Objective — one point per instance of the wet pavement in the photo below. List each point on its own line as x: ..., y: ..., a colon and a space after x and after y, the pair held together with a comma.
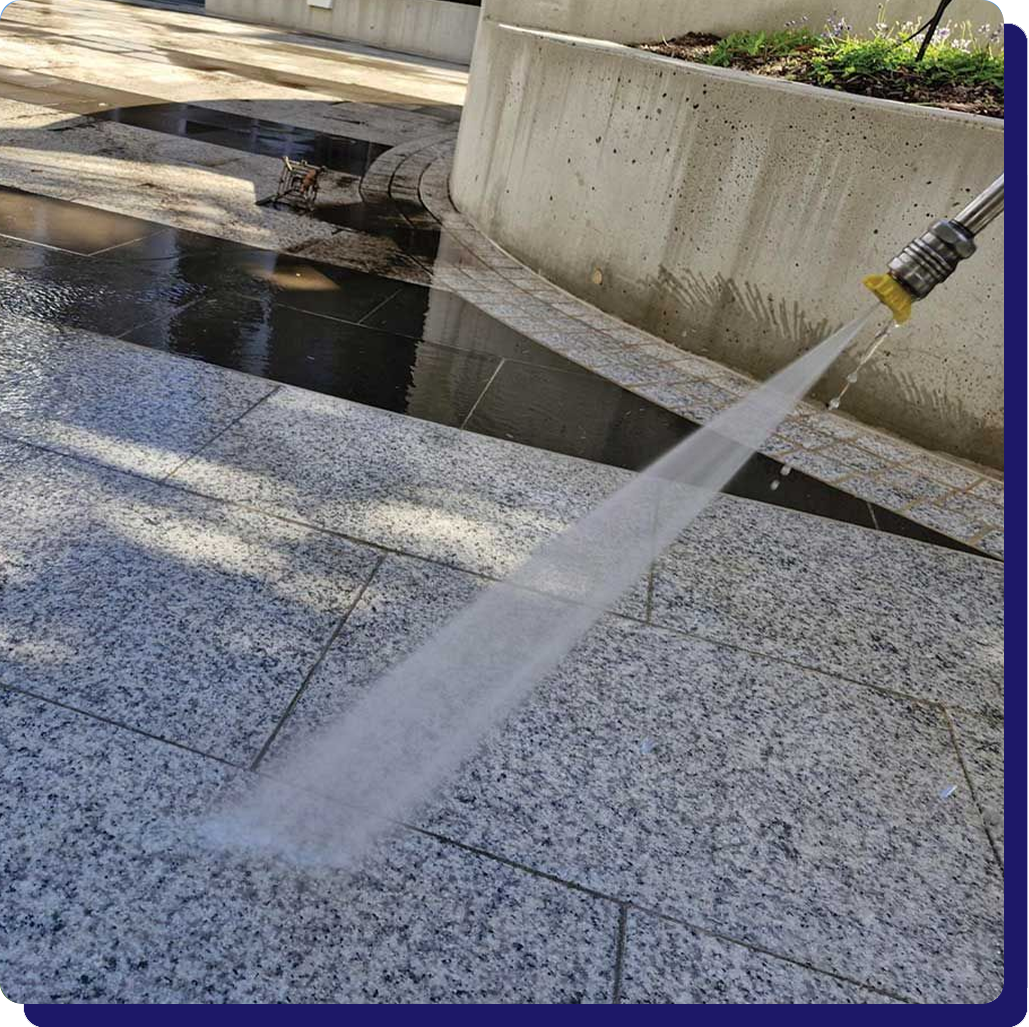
x: 774, y: 773
x: 363, y: 337
x: 251, y: 135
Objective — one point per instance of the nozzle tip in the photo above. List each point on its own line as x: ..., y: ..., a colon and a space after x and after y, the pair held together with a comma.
x: 890, y: 292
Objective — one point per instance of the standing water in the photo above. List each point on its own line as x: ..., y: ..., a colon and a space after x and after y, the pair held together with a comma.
x: 413, y: 727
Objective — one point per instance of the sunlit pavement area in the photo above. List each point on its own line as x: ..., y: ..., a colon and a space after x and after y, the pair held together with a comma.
x: 249, y: 458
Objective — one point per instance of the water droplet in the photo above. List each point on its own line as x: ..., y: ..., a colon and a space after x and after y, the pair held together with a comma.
x: 785, y: 471
x: 834, y: 404
x: 852, y: 377
x: 774, y: 485
x: 647, y: 746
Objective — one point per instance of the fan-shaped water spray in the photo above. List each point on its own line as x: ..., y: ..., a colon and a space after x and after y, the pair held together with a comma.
x: 415, y: 725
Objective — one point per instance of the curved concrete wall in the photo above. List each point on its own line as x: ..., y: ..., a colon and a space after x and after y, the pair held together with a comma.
x: 429, y: 28
x: 736, y: 215
x: 636, y: 21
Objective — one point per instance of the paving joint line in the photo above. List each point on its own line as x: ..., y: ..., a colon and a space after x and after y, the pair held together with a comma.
x: 623, y: 904
x: 217, y: 435
x: 761, y: 950
x: 980, y: 807
x: 620, y: 944
x: 103, y: 719
x: 153, y: 320
x: 309, y: 676
x: 475, y: 406
x: 408, y: 555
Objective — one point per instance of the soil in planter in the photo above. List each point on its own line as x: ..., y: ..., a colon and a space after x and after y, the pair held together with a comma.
x: 908, y: 83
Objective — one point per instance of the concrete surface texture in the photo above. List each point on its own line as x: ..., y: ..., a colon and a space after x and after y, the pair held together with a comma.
x: 188, y: 581
x: 430, y: 28
x: 735, y: 215
x: 629, y: 21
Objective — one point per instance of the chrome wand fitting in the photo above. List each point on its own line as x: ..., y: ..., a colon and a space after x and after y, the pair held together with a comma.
x: 933, y: 257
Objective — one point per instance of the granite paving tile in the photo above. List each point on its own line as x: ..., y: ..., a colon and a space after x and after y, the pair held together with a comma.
x: 785, y: 808
x: 982, y: 746
x: 112, y: 402
x: 955, y: 475
x: 961, y: 514
x: 820, y: 464
x: 993, y: 543
x: 800, y: 433
x: 896, y: 488
x: 116, y: 889
x: 173, y: 614
x: 855, y: 457
x: 892, y: 450
x: 990, y: 490
x: 904, y: 616
x: 456, y: 497
x: 667, y: 962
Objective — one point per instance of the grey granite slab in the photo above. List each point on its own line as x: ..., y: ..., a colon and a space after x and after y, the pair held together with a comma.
x: 872, y: 607
x: 990, y: 490
x: 894, y: 451
x: 12, y: 452
x: 114, y: 889
x: 784, y: 808
x: 176, y: 615
x: 963, y: 515
x: 477, y: 503
x: 820, y: 465
x: 896, y: 488
x: 947, y: 471
x: 854, y: 456
x: 118, y: 404
x: 982, y: 746
x: 993, y: 543
x: 667, y: 962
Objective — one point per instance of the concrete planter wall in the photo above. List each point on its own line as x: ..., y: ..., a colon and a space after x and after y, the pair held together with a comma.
x: 431, y: 28
x: 735, y: 215
x: 633, y: 21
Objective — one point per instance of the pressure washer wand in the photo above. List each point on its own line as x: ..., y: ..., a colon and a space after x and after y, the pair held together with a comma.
x: 933, y: 257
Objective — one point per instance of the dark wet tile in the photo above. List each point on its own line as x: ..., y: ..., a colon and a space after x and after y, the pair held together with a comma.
x: 251, y: 135
x: 440, y: 316
x: 67, y: 226
x: 385, y: 221
x: 92, y: 293
x: 797, y: 491
x: 214, y: 265
x: 418, y: 350
x: 595, y: 419
x: 14, y: 253
x: 74, y: 295
x: 896, y: 524
x: 575, y: 414
x: 264, y: 338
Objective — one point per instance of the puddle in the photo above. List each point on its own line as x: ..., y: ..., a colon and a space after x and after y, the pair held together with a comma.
x: 251, y: 135
x: 66, y: 226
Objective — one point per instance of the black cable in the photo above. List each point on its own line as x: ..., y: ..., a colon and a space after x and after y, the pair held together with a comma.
x: 934, y: 24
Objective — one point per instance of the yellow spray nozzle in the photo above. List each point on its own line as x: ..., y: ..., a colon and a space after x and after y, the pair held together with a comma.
x: 889, y: 291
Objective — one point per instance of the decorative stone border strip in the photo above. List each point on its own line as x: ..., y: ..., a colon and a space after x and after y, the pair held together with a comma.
x: 959, y: 501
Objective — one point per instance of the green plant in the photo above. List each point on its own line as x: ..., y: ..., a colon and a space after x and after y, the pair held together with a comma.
x: 958, y: 55
x: 763, y: 45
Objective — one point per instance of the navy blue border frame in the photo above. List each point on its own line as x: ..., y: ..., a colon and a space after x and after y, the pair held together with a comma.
x: 1011, y: 1006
